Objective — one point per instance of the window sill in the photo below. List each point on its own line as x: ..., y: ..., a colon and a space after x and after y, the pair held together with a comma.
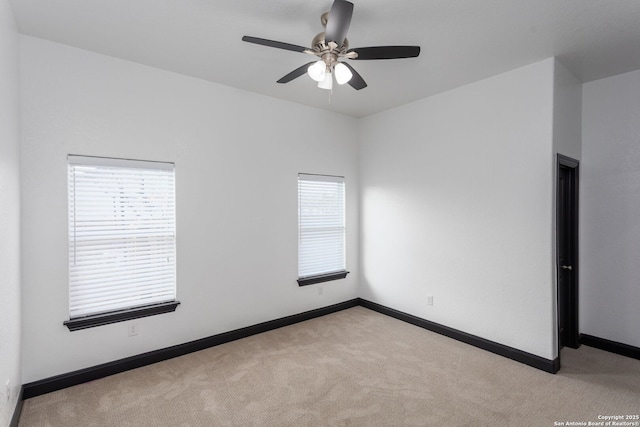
x: 304, y: 281
x: 120, y: 316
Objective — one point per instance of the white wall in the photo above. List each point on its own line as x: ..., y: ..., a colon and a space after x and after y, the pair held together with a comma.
x: 567, y: 113
x: 567, y: 140
x: 456, y: 202
x: 237, y: 157
x: 9, y: 215
x: 610, y: 209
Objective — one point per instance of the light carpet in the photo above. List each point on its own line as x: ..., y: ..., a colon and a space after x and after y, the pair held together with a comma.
x: 352, y: 368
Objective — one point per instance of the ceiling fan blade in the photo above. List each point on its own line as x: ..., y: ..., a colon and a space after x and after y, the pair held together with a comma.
x: 386, y: 52
x: 338, y: 21
x: 356, y: 82
x: 296, y: 73
x: 273, y: 43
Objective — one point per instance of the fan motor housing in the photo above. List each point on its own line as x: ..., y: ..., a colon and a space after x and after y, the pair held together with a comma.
x: 319, y: 44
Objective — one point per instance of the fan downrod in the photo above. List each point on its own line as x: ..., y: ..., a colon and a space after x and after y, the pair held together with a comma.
x: 329, y: 52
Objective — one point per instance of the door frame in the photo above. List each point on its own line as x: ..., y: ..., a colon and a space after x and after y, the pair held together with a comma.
x: 572, y: 303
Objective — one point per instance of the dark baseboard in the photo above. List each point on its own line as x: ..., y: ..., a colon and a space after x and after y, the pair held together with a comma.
x: 70, y: 379
x: 59, y: 382
x: 18, y: 410
x: 611, y: 346
x: 532, y: 360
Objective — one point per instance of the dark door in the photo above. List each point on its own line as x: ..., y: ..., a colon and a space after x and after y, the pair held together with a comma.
x: 567, y: 252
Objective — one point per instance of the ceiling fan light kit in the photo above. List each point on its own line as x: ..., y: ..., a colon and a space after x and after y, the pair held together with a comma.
x: 317, y: 71
x: 343, y: 73
x: 327, y: 82
x: 331, y: 46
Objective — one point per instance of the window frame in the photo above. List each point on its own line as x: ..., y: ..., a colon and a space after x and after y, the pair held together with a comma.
x: 136, y: 310
x: 323, y: 276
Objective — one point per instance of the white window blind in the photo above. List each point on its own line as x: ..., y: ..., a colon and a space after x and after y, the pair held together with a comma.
x: 121, y: 234
x: 321, y: 225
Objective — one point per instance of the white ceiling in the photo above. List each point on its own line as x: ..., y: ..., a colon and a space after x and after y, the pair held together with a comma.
x: 462, y: 41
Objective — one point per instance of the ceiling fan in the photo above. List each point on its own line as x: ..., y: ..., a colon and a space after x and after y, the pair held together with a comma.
x: 331, y: 46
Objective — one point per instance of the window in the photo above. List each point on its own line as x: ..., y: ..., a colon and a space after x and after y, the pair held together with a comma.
x: 321, y: 229
x: 122, y: 256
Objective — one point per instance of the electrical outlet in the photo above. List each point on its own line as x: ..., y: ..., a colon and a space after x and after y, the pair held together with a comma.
x: 429, y: 299
x: 133, y: 330
x: 320, y: 290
